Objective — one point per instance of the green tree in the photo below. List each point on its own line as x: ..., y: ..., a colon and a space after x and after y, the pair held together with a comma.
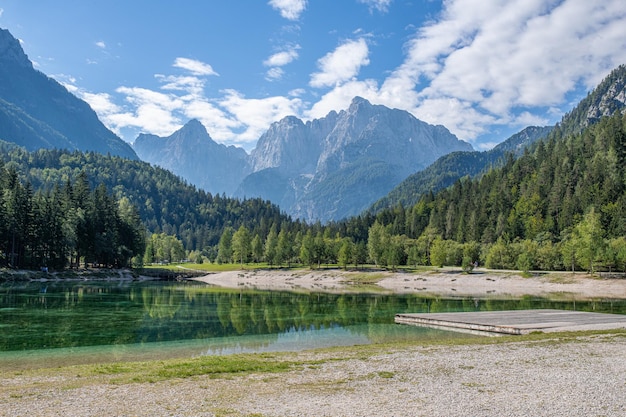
x: 438, y: 253
x: 242, y: 245
x: 307, y: 249
x: 359, y: 255
x: 500, y: 256
x: 377, y: 237
x: 225, y: 247
x: 271, y: 246
x: 588, y: 237
x: 345, y: 252
x: 257, y: 248
x: 394, y: 251
x: 284, y: 250
x: 618, y: 248
x: 319, y: 249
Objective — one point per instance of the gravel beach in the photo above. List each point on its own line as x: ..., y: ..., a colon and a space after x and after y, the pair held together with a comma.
x: 581, y: 377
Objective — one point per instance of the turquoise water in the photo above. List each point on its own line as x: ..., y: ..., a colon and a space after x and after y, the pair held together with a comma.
x: 110, y: 320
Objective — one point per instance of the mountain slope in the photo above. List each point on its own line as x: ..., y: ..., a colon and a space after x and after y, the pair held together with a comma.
x: 449, y: 168
x: 38, y: 112
x: 608, y: 98
x: 191, y: 153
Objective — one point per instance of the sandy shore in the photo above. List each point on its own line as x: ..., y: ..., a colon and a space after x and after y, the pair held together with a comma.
x: 481, y: 283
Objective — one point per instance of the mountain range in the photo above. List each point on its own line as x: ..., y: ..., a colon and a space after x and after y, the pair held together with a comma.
x: 38, y: 112
x: 191, y: 153
x: 322, y: 170
x: 327, y: 169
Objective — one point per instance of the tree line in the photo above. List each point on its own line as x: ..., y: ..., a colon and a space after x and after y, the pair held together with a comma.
x: 62, y: 225
x: 165, y: 203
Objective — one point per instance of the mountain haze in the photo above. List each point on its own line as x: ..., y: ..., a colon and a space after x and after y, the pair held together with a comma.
x: 38, y: 112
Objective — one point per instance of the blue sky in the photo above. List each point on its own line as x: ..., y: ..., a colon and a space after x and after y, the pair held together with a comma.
x: 483, y: 68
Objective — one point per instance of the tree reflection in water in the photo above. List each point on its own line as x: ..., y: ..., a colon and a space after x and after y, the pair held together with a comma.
x: 72, y: 314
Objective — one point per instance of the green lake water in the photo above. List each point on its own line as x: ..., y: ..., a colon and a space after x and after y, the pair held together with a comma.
x: 96, y: 321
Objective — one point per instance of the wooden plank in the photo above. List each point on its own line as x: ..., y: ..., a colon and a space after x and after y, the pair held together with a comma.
x: 517, y: 322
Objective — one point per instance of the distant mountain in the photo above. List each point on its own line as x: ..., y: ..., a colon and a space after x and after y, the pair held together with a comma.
x: 449, y: 168
x: 608, y: 98
x: 192, y: 154
x: 336, y: 166
x: 38, y: 112
x: 324, y: 169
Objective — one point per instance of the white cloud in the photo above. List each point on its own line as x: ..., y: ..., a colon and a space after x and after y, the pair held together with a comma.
x: 485, y: 146
x: 339, y: 98
x: 278, y: 60
x: 101, y: 44
x: 192, y: 85
x: 490, y: 59
x: 275, y: 73
x: 479, y: 64
x: 289, y: 9
x: 379, y: 5
x: 342, y: 64
x: 101, y: 103
x: 282, y: 58
x: 194, y: 66
x: 256, y: 115
x: 151, y: 111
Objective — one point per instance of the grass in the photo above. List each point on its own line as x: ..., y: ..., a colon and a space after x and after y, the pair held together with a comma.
x: 213, y: 366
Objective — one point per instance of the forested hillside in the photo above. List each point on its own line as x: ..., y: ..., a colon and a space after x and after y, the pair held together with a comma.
x: 446, y: 170
x: 164, y: 202
x: 560, y: 205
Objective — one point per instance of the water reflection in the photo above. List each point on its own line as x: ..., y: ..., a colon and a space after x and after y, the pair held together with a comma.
x: 76, y: 314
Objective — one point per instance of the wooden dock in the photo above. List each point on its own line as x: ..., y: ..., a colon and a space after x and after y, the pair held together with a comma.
x: 516, y: 322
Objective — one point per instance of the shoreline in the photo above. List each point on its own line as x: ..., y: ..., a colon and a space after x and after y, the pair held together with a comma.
x: 481, y: 283
x: 545, y: 375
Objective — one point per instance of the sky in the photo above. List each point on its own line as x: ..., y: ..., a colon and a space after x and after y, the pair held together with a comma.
x: 485, y: 69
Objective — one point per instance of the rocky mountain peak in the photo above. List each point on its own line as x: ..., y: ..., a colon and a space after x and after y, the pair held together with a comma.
x: 608, y: 98
x: 613, y: 97
x: 193, y: 130
x: 11, y: 51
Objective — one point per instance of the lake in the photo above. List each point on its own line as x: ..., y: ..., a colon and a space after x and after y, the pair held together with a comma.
x: 67, y: 322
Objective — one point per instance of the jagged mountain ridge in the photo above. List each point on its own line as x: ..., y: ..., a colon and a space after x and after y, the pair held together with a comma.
x: 191, y: 153
x: 38, y: 112
x: 324, y: 169
x: 344, y: 161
